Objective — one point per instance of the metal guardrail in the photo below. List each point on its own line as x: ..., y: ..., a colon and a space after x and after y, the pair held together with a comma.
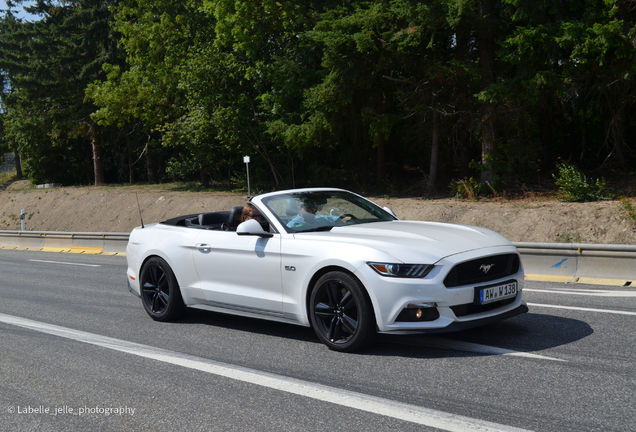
x: 579, y: 262
x: 556, y: 262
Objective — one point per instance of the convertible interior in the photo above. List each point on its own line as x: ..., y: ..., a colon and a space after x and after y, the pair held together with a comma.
x: 219, y: 221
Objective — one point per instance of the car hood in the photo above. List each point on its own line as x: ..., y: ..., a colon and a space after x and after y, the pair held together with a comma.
x: 416, y: 242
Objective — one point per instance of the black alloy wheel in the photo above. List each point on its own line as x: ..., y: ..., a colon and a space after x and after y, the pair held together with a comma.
x: 160, y: 292
x: 341, y: 312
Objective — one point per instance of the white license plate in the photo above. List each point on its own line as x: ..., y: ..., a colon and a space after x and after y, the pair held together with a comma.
x: 496, y: 293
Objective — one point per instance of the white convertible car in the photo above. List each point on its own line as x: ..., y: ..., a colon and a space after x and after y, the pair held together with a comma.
x: 329, y: 259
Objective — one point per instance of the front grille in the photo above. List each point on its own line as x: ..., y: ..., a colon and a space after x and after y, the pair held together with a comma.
x: 472, y: 308
x: 483, y: 269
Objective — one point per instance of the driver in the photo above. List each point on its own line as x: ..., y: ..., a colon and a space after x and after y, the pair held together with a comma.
x: 307, y: 217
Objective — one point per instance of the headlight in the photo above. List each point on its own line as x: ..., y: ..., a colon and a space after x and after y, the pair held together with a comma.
x: 402, y: 270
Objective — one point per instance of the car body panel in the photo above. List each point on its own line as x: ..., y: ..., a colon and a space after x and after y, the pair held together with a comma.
x: 272, y: 276
x: 240, y: 270
x: 173, y: 244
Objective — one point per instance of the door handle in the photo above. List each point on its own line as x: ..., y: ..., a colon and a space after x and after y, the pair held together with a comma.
x: 204, y: 247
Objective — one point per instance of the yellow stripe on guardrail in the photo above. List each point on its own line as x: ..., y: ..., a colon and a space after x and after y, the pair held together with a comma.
x: 600, y: 281
x: 548, y: 278
x: 74, y: 249
x: 52, y: 249
x: 577, y: 280
x: 87, y: 250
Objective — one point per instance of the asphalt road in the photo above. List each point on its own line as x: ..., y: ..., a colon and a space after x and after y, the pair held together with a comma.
x: 78, y: 352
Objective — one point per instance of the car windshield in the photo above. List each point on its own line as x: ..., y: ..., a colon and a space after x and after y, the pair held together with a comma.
x: 323, y: 210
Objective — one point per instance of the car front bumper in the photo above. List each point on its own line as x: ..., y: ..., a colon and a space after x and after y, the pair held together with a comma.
x: 458, y: 306
x: 464, y: 325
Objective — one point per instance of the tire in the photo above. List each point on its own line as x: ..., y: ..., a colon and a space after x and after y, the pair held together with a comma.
x: 160, y: 294
x: 341, y: 312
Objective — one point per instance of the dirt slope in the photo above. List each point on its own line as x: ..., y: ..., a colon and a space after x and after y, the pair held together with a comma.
x: 114, y: 209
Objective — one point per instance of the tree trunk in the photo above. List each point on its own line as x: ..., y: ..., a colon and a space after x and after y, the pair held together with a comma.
x: 131, y: 169
x: 463, y: 125
x: 619, y: 125
x: 151, y: 165
x: 380, y: 168
x: 486, y: 8
x: 488, y: 142
x: 203, y: 176
x: 584, y: 137
x: 432, y: 175
x: 18, y: 164
x: 98, y: 162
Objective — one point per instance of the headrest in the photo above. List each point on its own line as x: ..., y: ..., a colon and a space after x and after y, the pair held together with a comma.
x: 292, y: 207
x: 235, y: 216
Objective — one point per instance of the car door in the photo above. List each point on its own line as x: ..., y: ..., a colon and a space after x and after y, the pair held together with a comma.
x: 240, y: 271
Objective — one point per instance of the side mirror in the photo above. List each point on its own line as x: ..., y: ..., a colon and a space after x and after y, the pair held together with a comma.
x: 389, y: 211
x: 253, y: 228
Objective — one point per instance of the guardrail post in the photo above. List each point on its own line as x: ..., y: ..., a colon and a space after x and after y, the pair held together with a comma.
x: 22, y: 228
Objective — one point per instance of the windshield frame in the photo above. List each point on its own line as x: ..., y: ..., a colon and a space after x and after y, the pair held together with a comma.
x: 328, y: 204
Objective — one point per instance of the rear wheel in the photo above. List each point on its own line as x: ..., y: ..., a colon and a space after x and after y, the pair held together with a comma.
x: 341, y: 312
x: 160, y: 292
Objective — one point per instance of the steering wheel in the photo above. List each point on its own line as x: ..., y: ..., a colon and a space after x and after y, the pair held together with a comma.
x: 347, y: 215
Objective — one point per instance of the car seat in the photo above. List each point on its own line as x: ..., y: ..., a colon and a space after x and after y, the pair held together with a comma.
x: 234, y: 219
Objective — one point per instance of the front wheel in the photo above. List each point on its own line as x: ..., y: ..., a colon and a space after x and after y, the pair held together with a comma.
x: 341, y: 312
x: 160, y: 292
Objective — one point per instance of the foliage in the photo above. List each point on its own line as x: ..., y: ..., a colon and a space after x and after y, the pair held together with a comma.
x: 468, y: 188
x: 365, y: 94
x: 628, y: 209
x: 47, y: 64
x: 7, y: 176
x: 575, y: 187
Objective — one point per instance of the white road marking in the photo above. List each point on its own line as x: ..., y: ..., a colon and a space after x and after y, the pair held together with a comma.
x: 586, y: 292
x: 66, y: 263
x: 411, y: 413
x: 484, y: 349
x: 583, y: 309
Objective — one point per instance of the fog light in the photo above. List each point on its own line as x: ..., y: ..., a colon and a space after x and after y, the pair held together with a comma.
x: 419, y: 312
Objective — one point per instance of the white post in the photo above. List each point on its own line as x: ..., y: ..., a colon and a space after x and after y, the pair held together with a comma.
x: 22, y: 220
x: 246, y: 159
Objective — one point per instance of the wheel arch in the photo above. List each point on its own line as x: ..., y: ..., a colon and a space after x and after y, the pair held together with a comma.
x: 170, y: 265
x: 318, y: 274
x: 168, y: 261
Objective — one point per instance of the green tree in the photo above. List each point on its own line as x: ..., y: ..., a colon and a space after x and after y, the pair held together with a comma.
x: 48, y: 63
x: 571, y: 80
x: 270, y: 62
x: 392, y: 83
x: 208, y: 79
x: 143, y: 96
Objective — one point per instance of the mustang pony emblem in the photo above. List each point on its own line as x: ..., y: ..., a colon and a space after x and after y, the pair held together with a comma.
x: 486, y: 267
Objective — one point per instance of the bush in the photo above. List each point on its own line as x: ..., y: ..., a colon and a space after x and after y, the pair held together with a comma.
x: 7, y: 176
x: 628, y: 208
x: 574, y: 186
x: 466, y: 188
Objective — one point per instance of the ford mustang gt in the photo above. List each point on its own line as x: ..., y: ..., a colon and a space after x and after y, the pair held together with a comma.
x: 329, y: 259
